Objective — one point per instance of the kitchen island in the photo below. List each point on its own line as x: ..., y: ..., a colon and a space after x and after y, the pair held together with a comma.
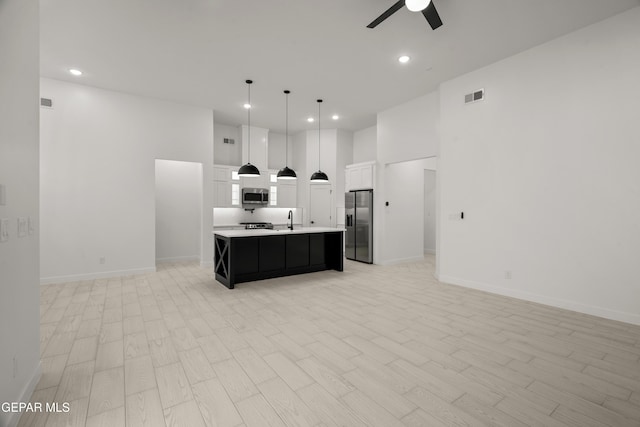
x: 247, y: 255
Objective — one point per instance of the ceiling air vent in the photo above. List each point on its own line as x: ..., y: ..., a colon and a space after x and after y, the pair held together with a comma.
x: 474, y: 96
x: 46, y: 102
x: 229, y: 141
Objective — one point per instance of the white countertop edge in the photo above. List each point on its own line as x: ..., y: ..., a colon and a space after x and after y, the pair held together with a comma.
x: 253, y: 233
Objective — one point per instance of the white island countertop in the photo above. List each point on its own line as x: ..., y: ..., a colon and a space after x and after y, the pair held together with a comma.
x: 263, y: 232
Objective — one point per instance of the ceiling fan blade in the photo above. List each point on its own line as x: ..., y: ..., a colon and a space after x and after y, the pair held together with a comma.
x: 393, y: 9
x: 431, y: 14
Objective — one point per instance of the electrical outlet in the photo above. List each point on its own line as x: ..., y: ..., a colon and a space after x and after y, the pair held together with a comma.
x: 4, y: 229
x: 102, y: 260
x: 507, y: 274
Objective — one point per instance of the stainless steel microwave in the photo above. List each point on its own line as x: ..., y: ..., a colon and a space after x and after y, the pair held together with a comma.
x: 255, y: 196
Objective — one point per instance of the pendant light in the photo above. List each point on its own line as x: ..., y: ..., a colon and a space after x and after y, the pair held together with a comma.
x: 248, y: 170
x: 286, y: 172
x: 319, y: 176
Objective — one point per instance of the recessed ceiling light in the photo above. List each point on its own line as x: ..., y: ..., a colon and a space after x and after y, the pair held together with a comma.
x: 404, y: 59
x: 247, y: 106
x: 335, y: 117
x: 311, y: 120
x: 75, y: 72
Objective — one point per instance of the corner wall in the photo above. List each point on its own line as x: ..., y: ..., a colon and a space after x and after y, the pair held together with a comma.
x: 546, y: 172
x: 98, y: 152
x: 406, y: 134
x: 19, y: 256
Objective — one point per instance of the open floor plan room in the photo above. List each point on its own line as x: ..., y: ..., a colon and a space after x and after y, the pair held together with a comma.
x: 372, y: 346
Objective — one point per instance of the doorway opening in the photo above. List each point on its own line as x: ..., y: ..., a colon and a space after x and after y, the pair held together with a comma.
x: 178, y: 211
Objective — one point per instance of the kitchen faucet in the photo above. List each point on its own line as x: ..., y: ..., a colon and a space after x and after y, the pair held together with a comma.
x: 290, y: 217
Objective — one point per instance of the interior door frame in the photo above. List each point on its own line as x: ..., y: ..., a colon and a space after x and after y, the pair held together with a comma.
x: 332, y: 218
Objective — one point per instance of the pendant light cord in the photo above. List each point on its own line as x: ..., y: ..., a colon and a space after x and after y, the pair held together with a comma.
x: 286, y: 126
x: 249, y: 122
x: 319, y: 101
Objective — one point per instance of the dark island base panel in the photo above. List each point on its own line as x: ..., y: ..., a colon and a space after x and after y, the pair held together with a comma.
x: 245, y: 259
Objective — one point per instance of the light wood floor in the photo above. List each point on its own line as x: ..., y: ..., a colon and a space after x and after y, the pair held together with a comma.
x: 372, y: 346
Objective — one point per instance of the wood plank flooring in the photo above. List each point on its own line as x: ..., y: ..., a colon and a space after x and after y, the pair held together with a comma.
x: 372, y: 346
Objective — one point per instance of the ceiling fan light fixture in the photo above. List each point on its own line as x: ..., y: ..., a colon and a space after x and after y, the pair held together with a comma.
x: 417, y: 5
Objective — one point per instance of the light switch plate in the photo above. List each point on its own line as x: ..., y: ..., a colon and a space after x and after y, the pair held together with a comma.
x: 22, y: 226
x: 31, y: 226
x: 4, y: 229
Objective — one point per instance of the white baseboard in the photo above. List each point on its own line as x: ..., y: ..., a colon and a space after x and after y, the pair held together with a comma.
x: 429, y: 251
x: 13, y: 418
x: 606, y: 313
x: 179, y: 258
x: 93, y: 276
x: 401, y: 260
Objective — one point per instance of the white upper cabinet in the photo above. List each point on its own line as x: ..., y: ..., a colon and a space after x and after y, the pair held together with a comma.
x: 360, y: 176
x: 226, y: 186
x: 282, y: 193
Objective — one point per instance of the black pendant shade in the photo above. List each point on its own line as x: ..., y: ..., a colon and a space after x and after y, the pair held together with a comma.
x: 248, y: 170
x: 319, y: 176
x: 286, y: 172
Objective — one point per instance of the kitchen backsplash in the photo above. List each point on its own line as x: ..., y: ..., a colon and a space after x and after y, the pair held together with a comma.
x: 234, y: 216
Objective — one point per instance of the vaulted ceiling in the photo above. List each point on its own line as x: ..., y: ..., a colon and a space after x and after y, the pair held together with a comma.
x: 200, y: 52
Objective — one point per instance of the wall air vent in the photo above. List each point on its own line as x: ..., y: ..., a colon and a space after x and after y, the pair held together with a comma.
x: 229, y: 141
x: 478, y: 95
x: 46, y: 102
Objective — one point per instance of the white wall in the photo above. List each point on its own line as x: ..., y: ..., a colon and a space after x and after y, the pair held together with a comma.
x: 406, y: 133
x: 546, y: 172
x: 227, y: 154
x: 277, y: 150
x: 409, y: 131
x: 429, y: 211
x: 255, y: 151
x: 364, y: 145
x: 344, y: 157
x: 300, y: 166
x: 98, y: 151
x: 178, y: 210
x: 19, y: 264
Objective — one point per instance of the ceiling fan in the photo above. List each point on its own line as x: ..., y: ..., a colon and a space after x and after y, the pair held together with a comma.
x: 425, y: 6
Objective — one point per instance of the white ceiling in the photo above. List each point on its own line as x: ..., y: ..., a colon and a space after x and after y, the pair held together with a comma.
x: 200, y: 52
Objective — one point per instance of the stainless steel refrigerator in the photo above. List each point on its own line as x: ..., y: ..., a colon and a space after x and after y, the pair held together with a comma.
x: 358, y: 205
